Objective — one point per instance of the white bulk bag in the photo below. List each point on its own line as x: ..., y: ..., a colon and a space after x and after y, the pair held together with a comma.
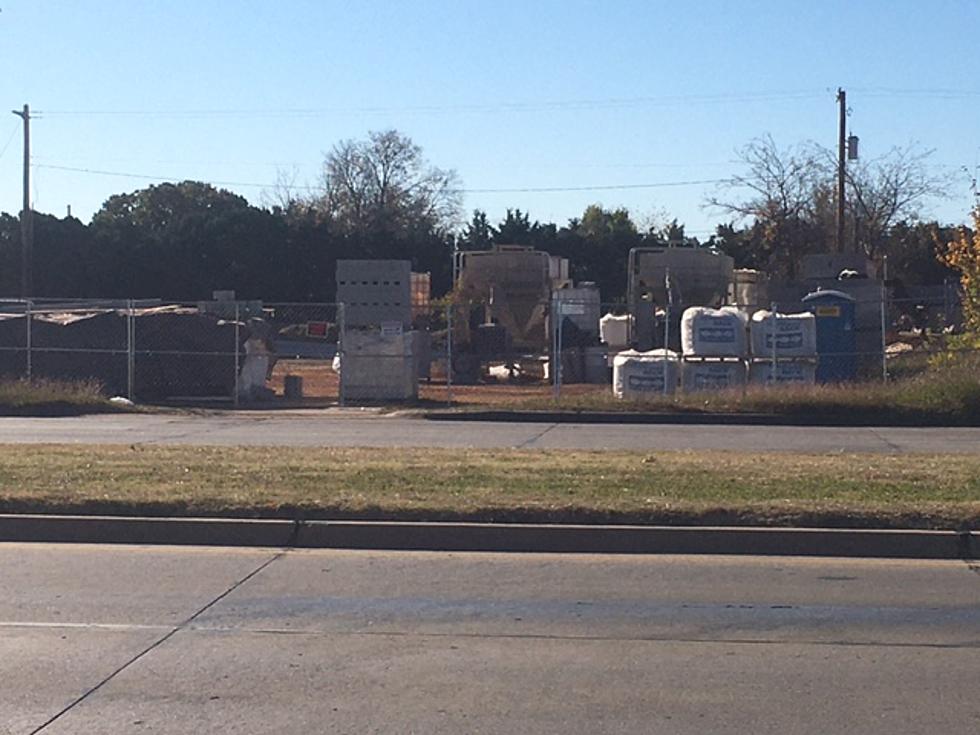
x: 793, y: 372
x: 713, y: 332
x: 712, y: 375
x: 638, y: 375
x: 614, y: 329
x: 796, y: 334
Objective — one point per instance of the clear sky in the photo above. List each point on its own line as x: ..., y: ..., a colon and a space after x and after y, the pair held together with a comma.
x: 567, y: 94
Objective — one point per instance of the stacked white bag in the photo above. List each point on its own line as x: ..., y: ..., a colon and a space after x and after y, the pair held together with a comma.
x: 712, y: 375
x: 714, y: 345
x: 796, y: 334
x: 639, y: 375
x: 614, y: 329
x: 713, y: 332
x: 795, y: 348
x: 802, y: 372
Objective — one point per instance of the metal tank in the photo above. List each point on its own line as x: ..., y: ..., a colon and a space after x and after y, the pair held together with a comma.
x: 698, y: 277
x: 513, y: 284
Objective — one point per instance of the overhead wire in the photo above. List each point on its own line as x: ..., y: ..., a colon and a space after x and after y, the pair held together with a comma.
x: 933, y: 93
x: 535, y: 106
x: 514, y: 190
x: 10, y: 138
x: 518, y: 106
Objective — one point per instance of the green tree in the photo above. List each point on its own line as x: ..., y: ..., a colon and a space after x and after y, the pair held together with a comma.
x: 914, y: 252
x: 515, y: 228
x: 9, y: 256
x: 478, y: 234
x: 184, y: 241
x: 605, y: 237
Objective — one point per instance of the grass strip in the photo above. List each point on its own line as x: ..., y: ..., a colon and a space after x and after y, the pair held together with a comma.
x: 847, y: 490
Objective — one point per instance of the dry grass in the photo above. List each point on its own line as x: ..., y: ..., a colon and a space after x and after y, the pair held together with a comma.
x: 950, y: 396
x: 703, y: 487
x: 45, y: 395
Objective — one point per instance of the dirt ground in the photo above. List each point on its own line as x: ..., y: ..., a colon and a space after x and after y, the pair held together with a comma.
x: 320, y: 383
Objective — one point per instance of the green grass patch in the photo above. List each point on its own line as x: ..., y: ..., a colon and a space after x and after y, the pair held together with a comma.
x: 503, y: 485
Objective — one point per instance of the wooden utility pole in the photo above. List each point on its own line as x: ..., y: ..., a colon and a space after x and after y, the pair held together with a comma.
x: 26, y: 214
x: 841, y: 151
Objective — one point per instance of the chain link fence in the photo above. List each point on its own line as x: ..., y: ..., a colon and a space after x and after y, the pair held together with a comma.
x: 246, y: 353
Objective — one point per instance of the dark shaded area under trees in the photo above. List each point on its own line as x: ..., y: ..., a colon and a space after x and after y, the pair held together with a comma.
x: 381, y: 199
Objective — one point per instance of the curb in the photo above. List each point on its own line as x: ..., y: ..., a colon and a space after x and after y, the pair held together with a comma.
x: 407, y: 536
x: 687, y: 419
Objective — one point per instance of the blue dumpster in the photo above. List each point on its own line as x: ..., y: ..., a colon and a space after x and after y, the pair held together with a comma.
x: 836, y: 335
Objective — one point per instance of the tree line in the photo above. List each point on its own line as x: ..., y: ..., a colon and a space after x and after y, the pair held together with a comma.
x: 380, y: 198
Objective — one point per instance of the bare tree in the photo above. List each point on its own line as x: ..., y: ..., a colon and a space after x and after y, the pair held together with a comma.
x: 887, y: 190
x: 779, y: 193
x: 778, y: 182
x: 383, y: 184
x: 789, y: 197
x: 284, y: 194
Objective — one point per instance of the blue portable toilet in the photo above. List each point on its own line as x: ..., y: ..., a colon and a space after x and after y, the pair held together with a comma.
x: 836, y: 335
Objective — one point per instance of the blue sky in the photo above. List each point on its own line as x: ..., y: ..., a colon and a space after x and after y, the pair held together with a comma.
x: 513, y: 95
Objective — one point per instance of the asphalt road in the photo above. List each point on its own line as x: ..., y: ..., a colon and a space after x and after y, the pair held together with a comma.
x: 353, y: 428
x: 162, y: 640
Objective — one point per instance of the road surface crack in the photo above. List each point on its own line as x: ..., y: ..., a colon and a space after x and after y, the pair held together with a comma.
x: 156, y: 644
x: 887, y: 442
x: 535, y: 438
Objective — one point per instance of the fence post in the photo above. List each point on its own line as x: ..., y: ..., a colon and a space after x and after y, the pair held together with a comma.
x: 668, y: 301
x: 554, y: 325
x: 341, y: 329
x: 884, y: 339
x: 947, y: 317
x: 130, y: 350
x: 237, y: 337
x: 775, y: 359
x: 666, y: 343
x: 449, y: 352
x: 29, y: 318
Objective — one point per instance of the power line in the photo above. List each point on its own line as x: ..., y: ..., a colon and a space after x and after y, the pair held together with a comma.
x: 515, y: 190
x: 169, y: 161
x: 536, y: 106
x: 6, y: 145
x: 298, y: 164
x: 154, y: 177
x: 517, y: 106
x: 934, y: 93
x: 600, y: 187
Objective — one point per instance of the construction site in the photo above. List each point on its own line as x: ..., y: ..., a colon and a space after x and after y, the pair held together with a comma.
x: 514, y: 326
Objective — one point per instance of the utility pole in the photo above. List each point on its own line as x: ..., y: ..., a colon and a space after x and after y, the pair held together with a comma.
x: 26, y: 215
x: 841, y: 148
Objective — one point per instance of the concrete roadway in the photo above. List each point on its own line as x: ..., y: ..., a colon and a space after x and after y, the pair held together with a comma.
x: 354, y: 428
x: 163, y: 640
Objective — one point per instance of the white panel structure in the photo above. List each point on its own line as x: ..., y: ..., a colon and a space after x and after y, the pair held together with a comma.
x: 379, y: 367
x: 375, y: 291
